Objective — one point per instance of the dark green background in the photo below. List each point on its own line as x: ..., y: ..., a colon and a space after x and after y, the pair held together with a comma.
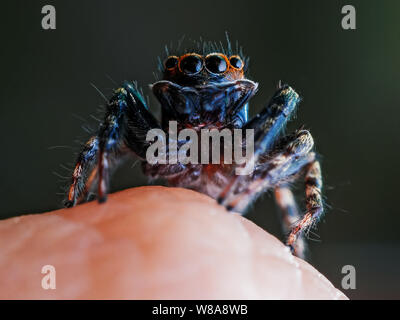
x: 349, y: 80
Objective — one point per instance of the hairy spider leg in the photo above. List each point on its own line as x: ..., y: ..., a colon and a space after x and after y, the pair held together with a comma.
x: 84, y: 164
x: 91, y: 180
x: 281, y: 169
x: 290, y: 216
x: 124, y: 128
x: 276, y: 168
x: 267, y: 125
x: 314, y: 203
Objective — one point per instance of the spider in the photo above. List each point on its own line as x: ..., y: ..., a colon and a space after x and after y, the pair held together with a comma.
x: 208, y: 90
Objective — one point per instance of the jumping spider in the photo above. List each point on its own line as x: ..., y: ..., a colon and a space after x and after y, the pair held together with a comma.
x: 208, y: 90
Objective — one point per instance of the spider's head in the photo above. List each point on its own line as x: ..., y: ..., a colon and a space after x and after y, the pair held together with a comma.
x: 206, y: 89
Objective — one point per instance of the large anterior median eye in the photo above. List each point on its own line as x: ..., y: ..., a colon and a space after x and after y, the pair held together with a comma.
x: 216, y: 63
x: 171, y: 62
x: 191, y: 64
x: 236, y: 62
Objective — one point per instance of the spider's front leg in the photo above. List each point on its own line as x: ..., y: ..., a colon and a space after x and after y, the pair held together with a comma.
x: 275, y: 170
x: 292, y: 155
x: 314, y: 203
x: 266, y: 125
x: 290, y: 216
x: 292, y: 221
x: 126, y: 123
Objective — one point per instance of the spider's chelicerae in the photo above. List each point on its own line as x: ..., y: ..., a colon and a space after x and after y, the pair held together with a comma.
x: 208, y: 89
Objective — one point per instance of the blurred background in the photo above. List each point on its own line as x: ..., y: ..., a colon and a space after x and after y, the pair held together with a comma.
x: 349, y: 81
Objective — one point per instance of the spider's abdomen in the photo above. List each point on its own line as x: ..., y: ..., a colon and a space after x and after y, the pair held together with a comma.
x: 204, y: 164
x: 209, y: 179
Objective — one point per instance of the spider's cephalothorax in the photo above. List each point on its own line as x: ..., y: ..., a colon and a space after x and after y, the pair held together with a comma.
x: 200, y: 91
x: 203, y: 91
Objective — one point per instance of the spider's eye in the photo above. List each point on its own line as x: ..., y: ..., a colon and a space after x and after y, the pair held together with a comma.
x: 236, y: 62
x: 171, y: 63
x: 216, y: 63
x: 191, y: 64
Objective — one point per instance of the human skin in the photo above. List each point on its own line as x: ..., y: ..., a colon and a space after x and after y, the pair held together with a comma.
x: 151, y: 243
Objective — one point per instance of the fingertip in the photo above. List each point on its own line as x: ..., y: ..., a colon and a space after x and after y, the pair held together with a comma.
x: 155, y: 243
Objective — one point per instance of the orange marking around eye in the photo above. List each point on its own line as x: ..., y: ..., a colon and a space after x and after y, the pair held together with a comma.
x: 223, y: 57
x: 236, y: 56
x: 169, y: 57
x: 235, y: 73
x: 186, y: 55
x: 231, y: 72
